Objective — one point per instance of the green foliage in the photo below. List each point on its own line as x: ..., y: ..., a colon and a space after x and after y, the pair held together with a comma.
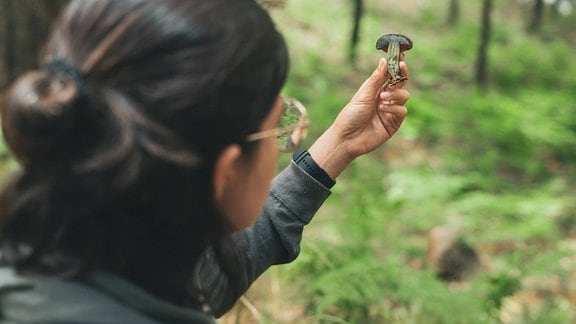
x: 499, y: 164
x: 7, y: 163
x: 522, y: 60
x: 357, y: 289
x: 351, y: 289
x: 501, y: 285
x: 523, y: 136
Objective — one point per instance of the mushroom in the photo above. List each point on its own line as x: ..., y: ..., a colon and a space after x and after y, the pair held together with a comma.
x: 394, y: 44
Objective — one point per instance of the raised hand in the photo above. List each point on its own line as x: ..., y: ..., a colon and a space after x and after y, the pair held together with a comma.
x: 372, y: 116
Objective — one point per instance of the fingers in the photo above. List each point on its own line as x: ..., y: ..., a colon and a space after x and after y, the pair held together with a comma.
x: 394, y: 97
x: 404, y: 72
x: 381, y: 71
x: 394, y: 109
x: 372, y: 85
x: 404, y: 69
x: 378, y: 77
x: 392, y: 105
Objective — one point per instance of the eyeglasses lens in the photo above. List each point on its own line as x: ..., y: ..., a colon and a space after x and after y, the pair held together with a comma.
x: 294, y: 123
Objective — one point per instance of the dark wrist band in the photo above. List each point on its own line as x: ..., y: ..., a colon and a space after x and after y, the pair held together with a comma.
x: 303, y: 159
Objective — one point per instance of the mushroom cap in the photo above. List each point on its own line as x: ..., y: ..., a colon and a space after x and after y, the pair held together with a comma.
x: 385, y: 40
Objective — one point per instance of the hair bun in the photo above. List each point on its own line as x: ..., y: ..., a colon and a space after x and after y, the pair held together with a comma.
x: 37, y: 114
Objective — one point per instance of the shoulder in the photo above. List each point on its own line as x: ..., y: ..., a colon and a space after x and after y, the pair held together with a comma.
x: 47, y: 300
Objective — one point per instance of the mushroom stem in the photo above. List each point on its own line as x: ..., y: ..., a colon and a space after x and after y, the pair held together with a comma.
x: 394, y: 59
x: 394, y: 44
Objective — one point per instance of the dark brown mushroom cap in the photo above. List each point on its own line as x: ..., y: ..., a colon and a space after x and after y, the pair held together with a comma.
x: 385, y: 40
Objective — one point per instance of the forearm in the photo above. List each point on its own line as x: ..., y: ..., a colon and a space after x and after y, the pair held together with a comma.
x: 274, y: 239
x: 294, y: 200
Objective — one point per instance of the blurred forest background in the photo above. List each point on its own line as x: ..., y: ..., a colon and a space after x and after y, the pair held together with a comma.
x: 468, y: 215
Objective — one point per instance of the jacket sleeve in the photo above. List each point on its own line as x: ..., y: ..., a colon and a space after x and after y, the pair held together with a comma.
x: 294, y: 199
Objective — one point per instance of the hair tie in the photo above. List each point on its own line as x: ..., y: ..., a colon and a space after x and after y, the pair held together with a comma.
x: 64, y: 68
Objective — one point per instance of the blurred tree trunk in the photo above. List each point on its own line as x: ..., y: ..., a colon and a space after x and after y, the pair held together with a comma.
x: 537, y: 14
x: 453, y: 12
x: 482, y: 59
x: 555, y: 13
x: 24, y: 26
x: 355, y: 35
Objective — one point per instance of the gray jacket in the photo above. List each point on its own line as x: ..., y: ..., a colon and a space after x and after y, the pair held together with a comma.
x: 104, y: 298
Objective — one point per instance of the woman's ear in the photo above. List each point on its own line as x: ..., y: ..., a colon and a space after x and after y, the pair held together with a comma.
x: 225, y: 170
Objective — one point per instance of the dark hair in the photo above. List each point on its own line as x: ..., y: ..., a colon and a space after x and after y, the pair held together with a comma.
x: 118, y: 134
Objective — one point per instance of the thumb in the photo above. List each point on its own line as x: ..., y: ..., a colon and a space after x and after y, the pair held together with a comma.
x: 374, y: 83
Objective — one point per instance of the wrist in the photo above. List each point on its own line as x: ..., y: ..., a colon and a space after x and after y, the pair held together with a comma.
x: 330, y: 154
x: 304, y: 160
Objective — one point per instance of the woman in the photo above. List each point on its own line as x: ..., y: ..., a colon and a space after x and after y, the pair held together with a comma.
x: 148, y: 144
